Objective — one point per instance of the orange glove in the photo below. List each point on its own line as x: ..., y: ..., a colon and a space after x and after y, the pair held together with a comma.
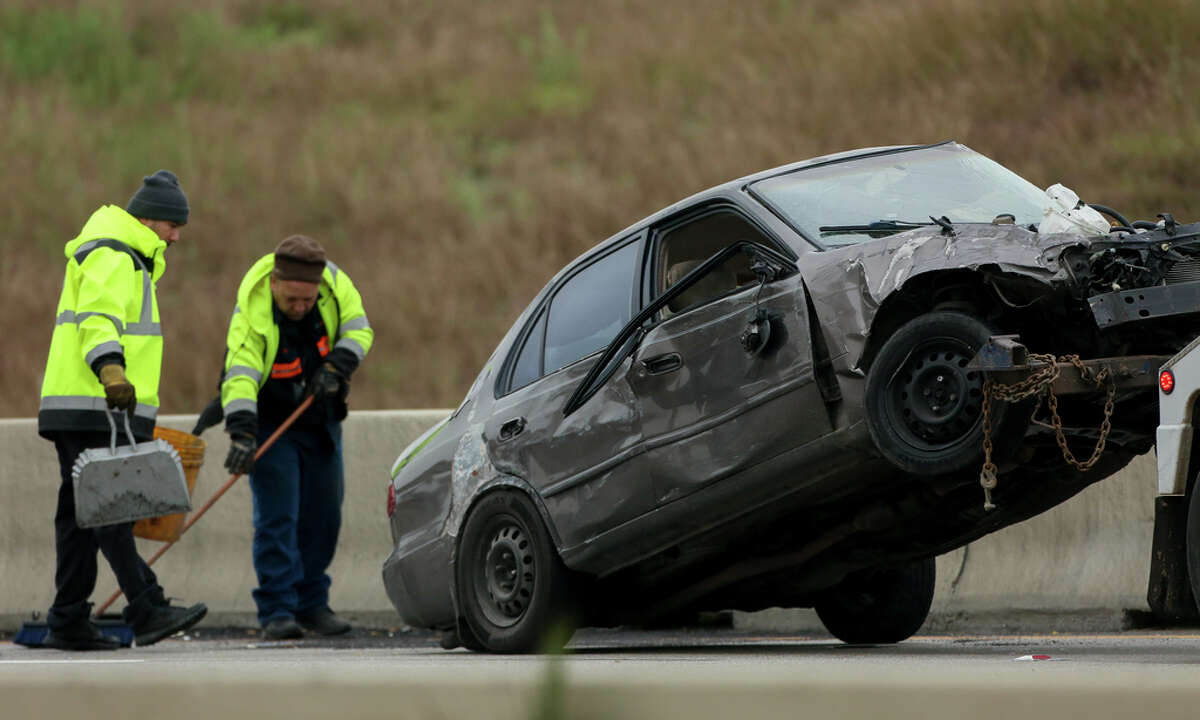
x: 118, y: 391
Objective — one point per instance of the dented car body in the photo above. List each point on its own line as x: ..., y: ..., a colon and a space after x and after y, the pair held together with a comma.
x: 769, y: 394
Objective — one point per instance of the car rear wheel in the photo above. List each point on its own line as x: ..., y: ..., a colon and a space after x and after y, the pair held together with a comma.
x: 925, y: 406
x: 512, y: 586
x: 879, y: 606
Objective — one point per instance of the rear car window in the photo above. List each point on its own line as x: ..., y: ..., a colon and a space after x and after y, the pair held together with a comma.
x: 528, y: 366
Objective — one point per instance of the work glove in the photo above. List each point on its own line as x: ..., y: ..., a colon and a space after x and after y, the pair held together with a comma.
x: 118, y: 391
x: 328, y: 383
x: 209, y: 416
x: 240, y: 459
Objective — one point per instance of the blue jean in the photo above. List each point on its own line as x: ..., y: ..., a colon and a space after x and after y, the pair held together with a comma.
x: 298, y: 487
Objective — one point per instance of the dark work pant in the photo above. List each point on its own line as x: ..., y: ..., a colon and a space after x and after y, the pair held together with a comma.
x: 75, y: 549
x: 298, y: 488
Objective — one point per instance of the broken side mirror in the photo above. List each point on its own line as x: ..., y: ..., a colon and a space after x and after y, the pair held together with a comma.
x: 764, y: 268
x: 757, y: 334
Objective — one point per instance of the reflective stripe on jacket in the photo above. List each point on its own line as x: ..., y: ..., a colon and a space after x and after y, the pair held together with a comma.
x: 108, y: 305
x: 253, y: 337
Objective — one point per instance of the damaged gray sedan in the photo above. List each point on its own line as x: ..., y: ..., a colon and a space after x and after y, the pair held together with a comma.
x: 781, y: 392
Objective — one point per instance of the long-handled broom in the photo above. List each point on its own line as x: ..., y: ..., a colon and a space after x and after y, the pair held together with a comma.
x: 33, y: 633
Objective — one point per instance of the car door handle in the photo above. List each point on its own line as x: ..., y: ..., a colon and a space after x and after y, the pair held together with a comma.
x: 660, y: 364
x: 511, y: 429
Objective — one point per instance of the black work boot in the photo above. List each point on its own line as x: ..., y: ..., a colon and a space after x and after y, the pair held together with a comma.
x: 164, y: 620
x: 81, y: 635
x: 323, y: 621
x: 284, y: 628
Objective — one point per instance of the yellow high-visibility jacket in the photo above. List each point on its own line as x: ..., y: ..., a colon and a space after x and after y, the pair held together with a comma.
x: 108, y: 305
x: 253, y: 337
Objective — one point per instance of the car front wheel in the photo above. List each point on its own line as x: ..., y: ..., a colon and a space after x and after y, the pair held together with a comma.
x: 879, y: 606
x: 513, y: 588
x: 924, y: 406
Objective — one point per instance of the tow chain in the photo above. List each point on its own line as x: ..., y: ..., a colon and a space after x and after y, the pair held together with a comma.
x: 1040, y: 383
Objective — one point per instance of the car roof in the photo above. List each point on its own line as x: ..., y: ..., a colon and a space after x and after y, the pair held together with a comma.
x: 724, y: 190
x: 824, y: 159
x: 731, y: 187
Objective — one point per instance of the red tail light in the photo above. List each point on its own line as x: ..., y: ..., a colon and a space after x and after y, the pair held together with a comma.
x: 391, y: 499
x: 1166, y: 381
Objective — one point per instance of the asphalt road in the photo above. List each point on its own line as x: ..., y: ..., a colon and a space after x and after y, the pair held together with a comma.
x: 696, y: 674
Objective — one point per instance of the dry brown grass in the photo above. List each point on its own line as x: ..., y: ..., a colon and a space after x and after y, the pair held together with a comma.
x: 453, y: 155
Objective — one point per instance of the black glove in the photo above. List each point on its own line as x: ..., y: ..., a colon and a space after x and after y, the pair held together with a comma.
x: 240, y: 459
x: 328, y: 383
x: 209, y: 416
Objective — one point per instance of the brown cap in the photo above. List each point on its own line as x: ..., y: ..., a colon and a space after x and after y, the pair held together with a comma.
x: 301, y: 258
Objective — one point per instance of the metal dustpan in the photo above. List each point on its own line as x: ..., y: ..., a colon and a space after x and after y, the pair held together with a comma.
x: 122, y: 484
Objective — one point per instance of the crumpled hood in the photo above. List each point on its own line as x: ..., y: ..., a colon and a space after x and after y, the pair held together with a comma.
x: 849, y: 284
x: 888, y: 263
x: 113, y: 222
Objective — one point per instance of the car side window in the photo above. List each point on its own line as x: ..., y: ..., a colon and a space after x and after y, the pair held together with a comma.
x: 590, y: 308
x: 528, y: 366
x: 682, y: 247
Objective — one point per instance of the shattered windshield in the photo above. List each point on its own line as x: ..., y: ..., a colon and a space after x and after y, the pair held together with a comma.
x: 849, y: 202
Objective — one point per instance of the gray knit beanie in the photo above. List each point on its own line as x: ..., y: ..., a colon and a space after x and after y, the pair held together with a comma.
x: 159, y: 198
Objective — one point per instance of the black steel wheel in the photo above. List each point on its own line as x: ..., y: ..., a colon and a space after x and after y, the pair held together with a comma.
x: 513, y: 589
x: 924, y: 405
x: 879, y: 606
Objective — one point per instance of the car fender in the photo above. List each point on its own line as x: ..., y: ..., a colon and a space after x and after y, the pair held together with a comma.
x: 849, y: 285
x: 474, y: 476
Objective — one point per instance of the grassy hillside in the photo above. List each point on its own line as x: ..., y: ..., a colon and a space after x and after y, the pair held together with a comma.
x: 452, y: 155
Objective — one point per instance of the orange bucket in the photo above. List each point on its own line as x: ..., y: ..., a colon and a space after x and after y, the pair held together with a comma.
x: 168, y: 528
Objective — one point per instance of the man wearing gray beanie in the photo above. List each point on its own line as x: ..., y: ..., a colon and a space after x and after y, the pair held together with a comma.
x: 106, y: 355
x: 160, y: 198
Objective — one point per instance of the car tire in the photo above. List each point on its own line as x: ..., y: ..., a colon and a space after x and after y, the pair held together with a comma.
x: 878, y: 607
x: 466, y: 637
x: 924, y: 407
x: 1192, y: 543
x: 513, y: 587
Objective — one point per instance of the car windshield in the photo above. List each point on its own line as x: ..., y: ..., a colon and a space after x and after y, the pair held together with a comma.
x: 849, y: 202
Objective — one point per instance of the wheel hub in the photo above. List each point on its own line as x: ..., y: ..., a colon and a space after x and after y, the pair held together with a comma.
x: 935, y: 399
x: 508, y: 575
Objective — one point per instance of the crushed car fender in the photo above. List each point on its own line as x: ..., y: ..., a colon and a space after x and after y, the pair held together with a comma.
x: 472, y: 469
x: 872, y: 272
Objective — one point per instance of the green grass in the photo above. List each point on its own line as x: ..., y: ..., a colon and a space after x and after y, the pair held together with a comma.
x: 453, y: 155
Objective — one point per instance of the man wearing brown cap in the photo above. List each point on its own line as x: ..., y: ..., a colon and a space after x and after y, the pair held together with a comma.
x: 105, y: 356
x: 298, y: 329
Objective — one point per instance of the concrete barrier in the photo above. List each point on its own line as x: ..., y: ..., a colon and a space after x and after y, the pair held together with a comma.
x: 1088, y: 557
x: 1091, y: 552
x: 1079, y: 566
x: 212, y: 562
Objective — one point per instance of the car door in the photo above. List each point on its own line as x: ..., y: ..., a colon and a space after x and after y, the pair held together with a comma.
x: 587, y: 465
x: 724, y: 378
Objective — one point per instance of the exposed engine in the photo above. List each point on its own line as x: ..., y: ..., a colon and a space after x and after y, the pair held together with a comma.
x: 1145, y: 259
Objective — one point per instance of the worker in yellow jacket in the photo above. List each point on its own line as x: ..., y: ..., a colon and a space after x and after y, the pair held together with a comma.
x: 298, y: 329
x: 106, y: 354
